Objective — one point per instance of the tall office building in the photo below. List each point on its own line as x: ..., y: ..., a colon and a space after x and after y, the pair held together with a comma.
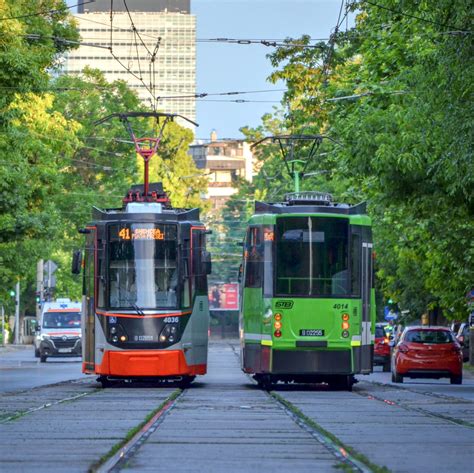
x: 175, y: 63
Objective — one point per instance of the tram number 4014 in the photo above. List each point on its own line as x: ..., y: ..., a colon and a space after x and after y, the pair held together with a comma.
x: 340, y: 306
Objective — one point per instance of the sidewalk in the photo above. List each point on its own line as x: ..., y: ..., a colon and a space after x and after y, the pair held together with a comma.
x: 12, y: 347
x: 467, y: 373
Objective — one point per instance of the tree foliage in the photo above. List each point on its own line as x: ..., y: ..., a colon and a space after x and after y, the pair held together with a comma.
x: 55, y: 164
x: 396, y: 93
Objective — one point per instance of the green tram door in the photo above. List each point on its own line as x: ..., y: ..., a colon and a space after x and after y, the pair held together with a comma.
x: 366, y: 351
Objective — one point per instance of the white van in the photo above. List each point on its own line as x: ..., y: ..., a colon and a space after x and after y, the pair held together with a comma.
x: 59, y: 330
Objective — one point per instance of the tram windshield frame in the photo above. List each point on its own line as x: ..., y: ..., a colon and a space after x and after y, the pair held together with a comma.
x: 143, y: 266
x: 312, y: 256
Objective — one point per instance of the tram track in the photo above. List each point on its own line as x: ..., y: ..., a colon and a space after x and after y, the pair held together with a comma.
x: 21, y: 413
x: 123, y: 451
x: 370, y: 395
x: 346, y: 455
x: 416, y: 391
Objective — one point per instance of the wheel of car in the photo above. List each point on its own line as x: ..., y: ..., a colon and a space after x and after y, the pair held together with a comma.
x: 43, y: 358
x: 456, y: 379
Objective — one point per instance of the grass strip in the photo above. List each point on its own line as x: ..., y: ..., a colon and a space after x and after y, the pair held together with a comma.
x: 311, y: 423
x: 19, y: 414
x: 132, y: 432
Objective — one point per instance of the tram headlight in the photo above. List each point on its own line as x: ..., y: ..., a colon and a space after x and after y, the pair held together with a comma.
x: 345, y: 317
x: 113, y: 330
x: 169, y: 333
x: 277, y: 325
x: 277, y: 333
x: 278, y: 317
x: 115, y: 339
x: 345, y: 325
x: 345, y: 333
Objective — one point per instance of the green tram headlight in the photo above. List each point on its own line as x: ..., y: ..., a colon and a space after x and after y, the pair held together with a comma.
x: 345, y: 333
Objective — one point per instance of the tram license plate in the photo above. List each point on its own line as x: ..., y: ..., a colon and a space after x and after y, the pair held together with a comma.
x: 64, y: 350
x: 311, y: 332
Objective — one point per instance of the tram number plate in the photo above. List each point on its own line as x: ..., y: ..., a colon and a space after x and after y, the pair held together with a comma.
x: 311, y: 332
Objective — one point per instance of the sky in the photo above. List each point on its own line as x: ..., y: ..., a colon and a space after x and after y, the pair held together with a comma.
x: 225, y: 67
x: 233, y: 67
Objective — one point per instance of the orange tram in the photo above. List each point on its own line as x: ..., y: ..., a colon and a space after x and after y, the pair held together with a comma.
x: 145, y: 307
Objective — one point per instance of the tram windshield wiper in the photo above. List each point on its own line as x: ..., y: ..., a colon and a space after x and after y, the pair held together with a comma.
x: 137, y: 309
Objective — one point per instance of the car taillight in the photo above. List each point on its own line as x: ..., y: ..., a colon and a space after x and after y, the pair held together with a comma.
x: 403, y: 348
x: 386, y: 340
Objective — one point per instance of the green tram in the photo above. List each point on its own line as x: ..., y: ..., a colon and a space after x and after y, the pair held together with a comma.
x: 307, y: 297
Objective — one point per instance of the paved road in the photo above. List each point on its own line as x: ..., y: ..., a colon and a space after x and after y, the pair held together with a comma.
x: 224, y: 423
x: 20, y: 370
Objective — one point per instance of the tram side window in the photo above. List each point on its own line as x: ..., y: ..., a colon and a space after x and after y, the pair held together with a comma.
x: 89, y: 271
x: 100, y: 278
x: 356, y: 247
x: 199, y: 246
x: 254, y: 258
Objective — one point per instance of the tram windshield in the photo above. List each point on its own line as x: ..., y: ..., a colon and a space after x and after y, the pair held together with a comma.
x: 143, y: 268
x: 312, y: 256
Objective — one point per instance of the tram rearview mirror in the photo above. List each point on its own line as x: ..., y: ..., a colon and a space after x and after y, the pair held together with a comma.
x: 76, y: 262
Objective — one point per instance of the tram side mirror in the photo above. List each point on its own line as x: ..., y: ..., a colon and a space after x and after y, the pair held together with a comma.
x: 241, y: 272
x: 76, y: 262
x: 206, y: 263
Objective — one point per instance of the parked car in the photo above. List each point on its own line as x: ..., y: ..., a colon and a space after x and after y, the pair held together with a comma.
x: 382, y: 347
x: 427, y: 352
x: 463, y: 337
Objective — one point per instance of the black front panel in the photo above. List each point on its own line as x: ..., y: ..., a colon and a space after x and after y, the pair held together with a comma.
x: 311, y: 361
x: 143, y: 333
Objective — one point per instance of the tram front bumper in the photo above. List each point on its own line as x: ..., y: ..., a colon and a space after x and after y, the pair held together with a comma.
x: 311, y: 361
x: 147, y: 363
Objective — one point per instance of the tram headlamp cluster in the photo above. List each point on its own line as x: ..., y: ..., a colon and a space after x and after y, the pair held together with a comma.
x: 277, y: 324
x: 345, y: 325
x: 169, y: 333
x: 117, y: 334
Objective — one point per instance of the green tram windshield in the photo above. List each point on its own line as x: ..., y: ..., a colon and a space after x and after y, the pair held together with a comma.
x: 312, y: 257
x: 142, y: 266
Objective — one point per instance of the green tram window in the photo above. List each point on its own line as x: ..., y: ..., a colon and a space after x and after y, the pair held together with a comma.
x: 254, y: 257
x: 312, y: 256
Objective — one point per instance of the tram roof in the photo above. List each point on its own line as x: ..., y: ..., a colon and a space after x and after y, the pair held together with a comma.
x: 310, y: 208
x: 165, y: 215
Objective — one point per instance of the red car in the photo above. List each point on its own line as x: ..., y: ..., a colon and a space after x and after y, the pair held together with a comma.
x: 427, y: 352
x: 382, y: 347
